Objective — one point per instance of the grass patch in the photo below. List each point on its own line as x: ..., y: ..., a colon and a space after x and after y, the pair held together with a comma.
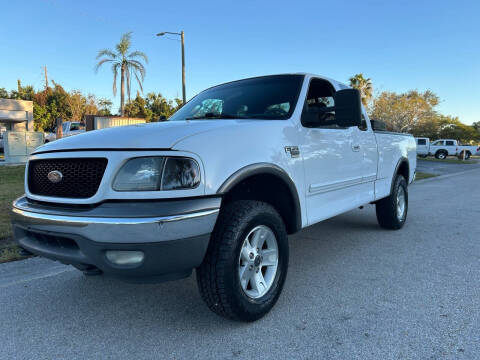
x: 422, y: 175
x: 11, y: 187
x: 10, y: 252
x: 451, y: 161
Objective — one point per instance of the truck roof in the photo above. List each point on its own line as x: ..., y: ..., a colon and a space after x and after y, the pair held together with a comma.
x: 335, y: 82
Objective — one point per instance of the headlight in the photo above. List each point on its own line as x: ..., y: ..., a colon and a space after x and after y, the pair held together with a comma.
x: 157, y: 173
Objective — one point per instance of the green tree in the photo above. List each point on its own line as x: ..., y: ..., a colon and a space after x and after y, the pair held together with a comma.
x: 160, y: 106
x: 127, y: 62
x: 364, y: 86
x: 77, y: 102
x: 4, y: 93
x: 402, y: 112
x: 138, y: 108
x: 451, y: 128
x: 22, y: 92
x: 104, y: 106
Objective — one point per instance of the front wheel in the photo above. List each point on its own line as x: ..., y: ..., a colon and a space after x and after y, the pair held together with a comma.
x: 441, y: 155
x: 246, y: 264
x: 392, y: 210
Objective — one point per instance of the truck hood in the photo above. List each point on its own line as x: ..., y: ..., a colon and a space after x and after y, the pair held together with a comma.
x: 161, y: 135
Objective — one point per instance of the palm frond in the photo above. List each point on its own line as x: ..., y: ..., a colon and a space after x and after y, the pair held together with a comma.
x: 106, y: 52
x: 138, y: 54
x: 124, y: 44
x: 101, y: 62
x: 138, y: 67
x: 139, y: 82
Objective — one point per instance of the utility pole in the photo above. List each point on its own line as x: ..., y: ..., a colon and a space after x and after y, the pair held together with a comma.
x: 182, y: 37
x: 46, y: 77
x: 182, y: 34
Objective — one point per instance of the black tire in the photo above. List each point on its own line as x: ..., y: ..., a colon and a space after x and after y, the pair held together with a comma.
x: 387, y: 213
x: 467, y: 155
x: 441, y: 154
x: 217, y: 277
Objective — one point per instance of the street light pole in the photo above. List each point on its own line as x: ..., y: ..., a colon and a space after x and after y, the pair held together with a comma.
x: 182, y: 37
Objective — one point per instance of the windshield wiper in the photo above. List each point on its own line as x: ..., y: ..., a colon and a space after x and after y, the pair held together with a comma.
x: 214, y: 116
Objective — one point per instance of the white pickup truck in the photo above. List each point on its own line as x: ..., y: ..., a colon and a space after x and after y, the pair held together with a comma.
x: 69, y: 128
x: 217, y: 188
x: 445, y: 147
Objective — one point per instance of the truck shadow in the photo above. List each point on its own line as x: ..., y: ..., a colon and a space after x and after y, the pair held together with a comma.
x: 108, y: 305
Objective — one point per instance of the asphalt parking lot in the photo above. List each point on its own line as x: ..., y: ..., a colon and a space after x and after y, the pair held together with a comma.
x: 442, y: 168
x: 353, y: 291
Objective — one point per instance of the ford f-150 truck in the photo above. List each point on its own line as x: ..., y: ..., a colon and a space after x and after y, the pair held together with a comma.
x: 217, y: 188
x: 445, y: 147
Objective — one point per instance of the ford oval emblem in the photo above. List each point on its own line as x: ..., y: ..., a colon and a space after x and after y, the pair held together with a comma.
x: 55, y: 176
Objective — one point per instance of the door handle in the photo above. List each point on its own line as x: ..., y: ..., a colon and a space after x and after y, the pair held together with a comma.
x: 356, y: 147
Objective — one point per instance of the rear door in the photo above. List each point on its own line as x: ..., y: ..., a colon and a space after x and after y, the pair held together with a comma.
x: 333, y: 158
x: 451, y: 147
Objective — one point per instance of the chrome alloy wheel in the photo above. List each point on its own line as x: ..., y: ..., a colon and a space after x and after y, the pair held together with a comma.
x: 401, y: 203
x: 258, y: 262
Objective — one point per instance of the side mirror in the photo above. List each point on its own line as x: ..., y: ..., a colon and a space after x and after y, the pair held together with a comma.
x: 378, y: 125
x: 348, y: 108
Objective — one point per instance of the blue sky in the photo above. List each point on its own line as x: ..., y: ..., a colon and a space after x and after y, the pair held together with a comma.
x: 400, y: 45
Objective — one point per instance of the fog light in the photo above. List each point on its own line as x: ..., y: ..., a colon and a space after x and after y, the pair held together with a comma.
x: 122, y: 257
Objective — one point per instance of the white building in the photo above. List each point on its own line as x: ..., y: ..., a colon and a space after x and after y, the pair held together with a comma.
x: 16, y: 115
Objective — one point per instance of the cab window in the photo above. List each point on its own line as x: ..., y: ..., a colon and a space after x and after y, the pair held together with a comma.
x: 450, y: 143
x: 319, y: 99
x: 421, y: 142
x: 77, y: 126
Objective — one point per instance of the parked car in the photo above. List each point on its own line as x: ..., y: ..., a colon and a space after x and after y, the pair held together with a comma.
x: 3, y: 129
x: 466, y: 151
x: 423, y: 146
x: 217, y: 188
x: 69, y: 128
x: 445, y: 147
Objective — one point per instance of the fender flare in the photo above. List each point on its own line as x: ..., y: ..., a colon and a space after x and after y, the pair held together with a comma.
x: 270, y: 169
x: 401, y: 161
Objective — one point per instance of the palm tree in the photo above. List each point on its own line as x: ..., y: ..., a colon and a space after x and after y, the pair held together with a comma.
x: 364, y: 86
x: 128, y: 63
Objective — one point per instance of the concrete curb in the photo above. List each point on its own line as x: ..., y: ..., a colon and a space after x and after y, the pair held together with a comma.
x: 440, y: 177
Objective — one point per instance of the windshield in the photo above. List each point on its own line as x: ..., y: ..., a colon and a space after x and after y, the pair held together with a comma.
x: 268, y: 97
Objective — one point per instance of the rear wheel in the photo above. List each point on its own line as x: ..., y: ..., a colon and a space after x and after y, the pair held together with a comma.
x: 463, y: 153
x: 246, y: 264
x: 392, y: 210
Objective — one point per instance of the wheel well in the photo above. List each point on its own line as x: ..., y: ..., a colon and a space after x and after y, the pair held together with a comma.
x: 272, y: 190
x: 403, y: 169
x: 441, y: 151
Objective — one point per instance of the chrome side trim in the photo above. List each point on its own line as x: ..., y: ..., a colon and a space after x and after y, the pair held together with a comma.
x: 338, y: 185
x: 79, y: 220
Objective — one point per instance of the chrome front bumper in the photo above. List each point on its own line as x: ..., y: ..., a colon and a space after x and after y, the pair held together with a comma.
x: 173, y: 234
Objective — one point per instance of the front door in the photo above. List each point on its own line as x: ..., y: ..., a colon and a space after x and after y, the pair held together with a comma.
x: 333, y: 159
